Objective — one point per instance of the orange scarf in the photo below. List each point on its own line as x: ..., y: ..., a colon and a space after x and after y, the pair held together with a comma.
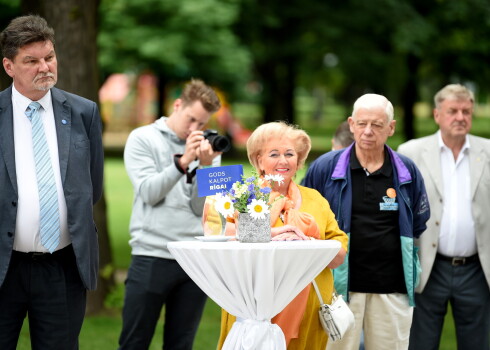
x: 291, y: 215
x: 290, y: 318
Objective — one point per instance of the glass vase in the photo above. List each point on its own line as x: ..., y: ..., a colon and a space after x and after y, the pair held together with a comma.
x: 250, y: 230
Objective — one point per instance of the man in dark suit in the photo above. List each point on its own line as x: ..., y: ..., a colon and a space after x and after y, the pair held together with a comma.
x: 51, y: 167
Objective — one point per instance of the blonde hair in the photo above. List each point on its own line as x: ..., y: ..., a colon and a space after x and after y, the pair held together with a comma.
x: 453, y: 92
x: 276, y: 131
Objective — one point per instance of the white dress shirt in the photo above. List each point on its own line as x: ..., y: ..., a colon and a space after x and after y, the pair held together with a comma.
x: 457, y: 237
x: 27, y: 238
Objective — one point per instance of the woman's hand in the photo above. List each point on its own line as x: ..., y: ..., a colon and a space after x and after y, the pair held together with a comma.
x: 338, y: 260
x: 287, y: 236
x: 288, y: 233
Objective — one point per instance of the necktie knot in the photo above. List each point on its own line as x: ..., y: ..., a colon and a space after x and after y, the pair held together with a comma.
x: 32, y: 108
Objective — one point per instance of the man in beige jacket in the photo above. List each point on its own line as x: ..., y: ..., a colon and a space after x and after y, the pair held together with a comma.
x: 455, y: 249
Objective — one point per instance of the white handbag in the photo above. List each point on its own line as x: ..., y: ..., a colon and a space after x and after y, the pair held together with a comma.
x: 336, y: 318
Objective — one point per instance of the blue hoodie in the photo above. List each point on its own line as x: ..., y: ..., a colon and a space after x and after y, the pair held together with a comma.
x: 330, y: 175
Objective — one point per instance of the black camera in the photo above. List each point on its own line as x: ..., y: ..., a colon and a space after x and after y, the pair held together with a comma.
x: 218, y: 143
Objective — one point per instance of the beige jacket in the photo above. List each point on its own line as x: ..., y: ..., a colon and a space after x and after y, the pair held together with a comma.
x: 425, y: 153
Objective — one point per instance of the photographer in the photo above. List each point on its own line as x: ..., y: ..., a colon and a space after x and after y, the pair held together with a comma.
x: 161, y: 160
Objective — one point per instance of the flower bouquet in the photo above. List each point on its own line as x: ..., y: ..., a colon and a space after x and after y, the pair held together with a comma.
x: 250, y: 200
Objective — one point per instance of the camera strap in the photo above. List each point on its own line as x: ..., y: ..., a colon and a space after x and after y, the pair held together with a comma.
x: 189, y: 175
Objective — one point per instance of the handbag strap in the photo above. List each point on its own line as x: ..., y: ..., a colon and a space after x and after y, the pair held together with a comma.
x: 317, y: 292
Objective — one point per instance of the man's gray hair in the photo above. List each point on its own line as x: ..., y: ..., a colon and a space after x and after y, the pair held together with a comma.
x: 372, y: 101
x: 456, y: 92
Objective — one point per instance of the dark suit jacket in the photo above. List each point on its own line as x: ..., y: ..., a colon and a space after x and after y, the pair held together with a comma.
x: 78, y: 128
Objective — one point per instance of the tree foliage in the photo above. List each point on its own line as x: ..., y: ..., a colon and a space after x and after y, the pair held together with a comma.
x: 175, y: 39
x: 408, y: 49
x: 275, y: 34
x: 8, y: 10
x: 404, y: 49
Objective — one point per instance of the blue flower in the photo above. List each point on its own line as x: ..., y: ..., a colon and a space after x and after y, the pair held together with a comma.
x: 265, y: 190
x: 250, y: 179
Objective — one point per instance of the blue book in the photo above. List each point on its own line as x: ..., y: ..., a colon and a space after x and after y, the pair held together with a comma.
x: 211, y: 181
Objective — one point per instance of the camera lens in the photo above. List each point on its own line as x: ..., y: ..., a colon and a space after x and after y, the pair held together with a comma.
x: 218, y: 143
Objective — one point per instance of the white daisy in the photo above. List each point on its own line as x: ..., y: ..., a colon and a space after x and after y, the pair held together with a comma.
x: 223, y: 205
x: 258, y: 208
x: 275, y: 178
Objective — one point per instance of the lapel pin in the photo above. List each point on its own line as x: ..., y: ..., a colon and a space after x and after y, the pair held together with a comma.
x: 64, y: 122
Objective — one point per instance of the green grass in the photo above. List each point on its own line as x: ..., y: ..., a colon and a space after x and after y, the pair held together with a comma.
x: 119, y: 197
x: 102, y: 332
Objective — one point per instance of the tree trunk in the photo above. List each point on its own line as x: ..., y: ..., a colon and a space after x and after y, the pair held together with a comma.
x: 409, y: 97
x: 162, y: 95
x: 278, y: 81
x: 75, y: 25
x: 5, y: 80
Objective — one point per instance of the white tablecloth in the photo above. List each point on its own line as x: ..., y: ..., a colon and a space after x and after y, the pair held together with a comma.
x: 253, y: 281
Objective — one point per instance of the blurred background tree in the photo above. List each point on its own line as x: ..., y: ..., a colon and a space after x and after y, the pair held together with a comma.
x: 175, y: 41
x: 407, y: 49
x: 266, y: 52
x: 404, y: 49
x: 8, y: 10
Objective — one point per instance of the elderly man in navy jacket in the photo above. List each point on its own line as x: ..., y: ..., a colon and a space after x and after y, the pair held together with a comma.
x: 379, y: 199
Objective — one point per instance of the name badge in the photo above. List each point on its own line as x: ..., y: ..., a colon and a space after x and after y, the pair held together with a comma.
x: 388, y: 204
x: 211, y: 181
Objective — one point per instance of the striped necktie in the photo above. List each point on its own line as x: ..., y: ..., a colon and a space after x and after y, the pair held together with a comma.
x: 49, y: 221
